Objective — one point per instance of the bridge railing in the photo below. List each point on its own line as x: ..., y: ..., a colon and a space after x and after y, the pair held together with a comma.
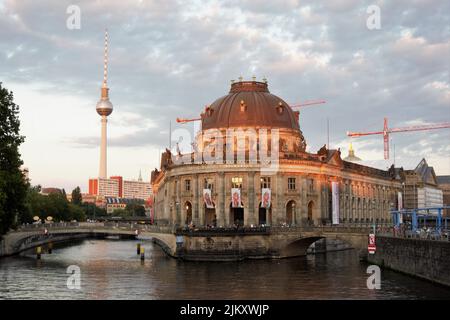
x: 206, y: 231
x: 426, y: 234
x: 31, y: 227
x: 129, y: 226
x: 330, y: 229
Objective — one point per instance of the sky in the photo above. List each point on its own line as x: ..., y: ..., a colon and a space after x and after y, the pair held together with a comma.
x: 169, y: 59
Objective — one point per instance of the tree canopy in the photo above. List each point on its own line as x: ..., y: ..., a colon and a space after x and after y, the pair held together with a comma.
x: 13, y: 184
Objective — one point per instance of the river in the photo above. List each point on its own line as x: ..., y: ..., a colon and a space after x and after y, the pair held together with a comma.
x: 110, y: 269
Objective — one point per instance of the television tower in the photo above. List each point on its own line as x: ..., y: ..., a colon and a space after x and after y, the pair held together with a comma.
x: 104, y: 109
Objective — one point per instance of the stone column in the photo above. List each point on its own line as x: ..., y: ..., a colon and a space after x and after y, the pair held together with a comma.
x: 249, y: 216
x: 196, y: 201
x: 280, y: 210
x: 303, y: 205
x: 222, y: 220
x: 178, y: 204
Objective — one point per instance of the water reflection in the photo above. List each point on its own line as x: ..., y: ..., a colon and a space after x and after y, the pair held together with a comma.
x: 111, y: 269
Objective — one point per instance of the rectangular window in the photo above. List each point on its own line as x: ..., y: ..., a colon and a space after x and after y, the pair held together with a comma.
x: 291, y: 183
x: 265, y: 182
x: 236, y: 182
x: 187, y: 185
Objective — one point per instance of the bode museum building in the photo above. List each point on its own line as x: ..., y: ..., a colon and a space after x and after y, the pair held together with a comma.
x: 248, y: 166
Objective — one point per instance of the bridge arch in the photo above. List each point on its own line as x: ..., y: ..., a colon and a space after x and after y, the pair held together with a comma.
x: 298, y: 247
x: 19, y: 241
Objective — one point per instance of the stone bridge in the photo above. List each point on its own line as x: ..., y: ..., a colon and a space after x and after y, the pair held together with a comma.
x: 33, y: 236
x: 270, y: 242
x: 198, y: 244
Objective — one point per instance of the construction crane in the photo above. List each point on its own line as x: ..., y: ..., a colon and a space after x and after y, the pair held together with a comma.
x: 184, y: 120
x: 386, y: 131
x: 305, y: 104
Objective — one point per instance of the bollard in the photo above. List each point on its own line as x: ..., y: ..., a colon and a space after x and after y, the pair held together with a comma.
x: 138, y: 248
x: 142, y: 254
x: 50, y: 248
x: 38, y: 252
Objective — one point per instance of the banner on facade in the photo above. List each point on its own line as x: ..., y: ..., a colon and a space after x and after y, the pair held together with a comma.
x: 208, y: 199
x: 371, y: 247
x: 400, y: 206
x: 400, y: 201
x: 266, y: 198
x: 335, y: 202
x: 235, y: 197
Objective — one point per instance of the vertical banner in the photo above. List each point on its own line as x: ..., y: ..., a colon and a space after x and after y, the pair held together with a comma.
x: 266, y: 198
x: 335, y: 201
x: 235, y: 197
x: 207, y: 198
x: 371, y: 247
x: 400, y: 201
x: 400, y: 206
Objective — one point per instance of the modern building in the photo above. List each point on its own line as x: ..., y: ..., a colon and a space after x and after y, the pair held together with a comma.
x: 249, y: 166
x: 104, y: 187
x: 120, y: 184
x: 444, y: 185
x: 420, y: 187
x: 137, y: 189
x: 117, y: 187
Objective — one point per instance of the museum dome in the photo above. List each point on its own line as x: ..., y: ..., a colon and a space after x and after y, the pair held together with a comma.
x: 249, y: 104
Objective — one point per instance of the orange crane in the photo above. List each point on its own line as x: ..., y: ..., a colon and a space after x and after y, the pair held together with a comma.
x: 184, y: 120
x: 386, y: 131
x: 306, y: 103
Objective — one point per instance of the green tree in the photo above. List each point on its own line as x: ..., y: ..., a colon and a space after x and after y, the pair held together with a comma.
x: 76, y: 196
x: 76, y: 212
x: 135, y: 209
x: 13, y: 185
x: 58, y: 207
x: 122, y: 213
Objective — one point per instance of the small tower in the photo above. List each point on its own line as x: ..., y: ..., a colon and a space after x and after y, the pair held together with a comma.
x: 351, y: 155
x: 104, y: 109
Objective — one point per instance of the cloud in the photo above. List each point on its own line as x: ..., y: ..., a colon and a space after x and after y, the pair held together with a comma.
x: 169, y: 59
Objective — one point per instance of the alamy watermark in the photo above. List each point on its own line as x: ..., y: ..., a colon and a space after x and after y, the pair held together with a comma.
x: 373, y: 21
x: 73, y: 22
x: 74, y: 280
x: 374, y: 280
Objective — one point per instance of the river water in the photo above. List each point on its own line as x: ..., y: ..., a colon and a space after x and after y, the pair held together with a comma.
x: 110, y: 269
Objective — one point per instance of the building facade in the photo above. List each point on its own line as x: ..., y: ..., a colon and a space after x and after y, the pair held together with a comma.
x: 137, y: 190
x: 117, y: 187
x: 420, y: 187
x: 249, y: 167
x: 444, y: 184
